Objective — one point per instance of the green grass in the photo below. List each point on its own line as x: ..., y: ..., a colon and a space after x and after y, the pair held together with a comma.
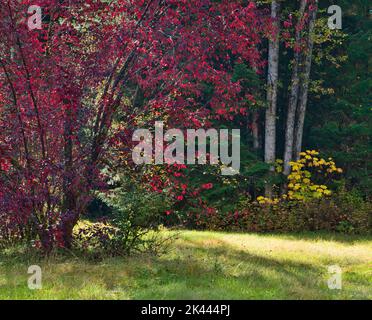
x: 204, y: 265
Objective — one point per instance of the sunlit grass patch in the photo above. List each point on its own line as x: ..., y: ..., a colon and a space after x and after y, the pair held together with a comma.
x: 203, y: 265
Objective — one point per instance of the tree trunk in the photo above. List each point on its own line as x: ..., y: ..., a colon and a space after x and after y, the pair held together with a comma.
x: 293, y: 98
x: 272, y: 94
x: 255, y: 130
x: 70, y: 216
x: 304, y: 89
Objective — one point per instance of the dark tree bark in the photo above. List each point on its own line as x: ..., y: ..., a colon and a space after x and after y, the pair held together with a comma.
x: 255, y: 130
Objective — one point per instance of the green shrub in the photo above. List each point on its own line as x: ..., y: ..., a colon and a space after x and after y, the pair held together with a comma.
x: 344, y: 212
x: 136, y: 216
x: 94, y: 237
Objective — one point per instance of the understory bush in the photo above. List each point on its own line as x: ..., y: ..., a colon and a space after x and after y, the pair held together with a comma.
x: 135, y: 219
x: 344, y: 212
x: 312, y: 197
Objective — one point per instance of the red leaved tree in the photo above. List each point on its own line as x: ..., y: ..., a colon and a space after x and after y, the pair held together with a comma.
x: 62, y: 86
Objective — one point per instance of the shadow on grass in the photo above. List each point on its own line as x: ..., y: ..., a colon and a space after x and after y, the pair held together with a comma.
x: 228, y: 273
x: 211, y: 269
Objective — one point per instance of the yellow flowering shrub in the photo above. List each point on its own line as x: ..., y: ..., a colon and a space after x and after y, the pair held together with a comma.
x: 301, y: 185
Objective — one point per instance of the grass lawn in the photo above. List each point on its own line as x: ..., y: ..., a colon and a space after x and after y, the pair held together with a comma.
x: 205, y: 265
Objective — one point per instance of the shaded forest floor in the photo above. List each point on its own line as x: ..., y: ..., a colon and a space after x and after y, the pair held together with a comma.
x: 204, y: 265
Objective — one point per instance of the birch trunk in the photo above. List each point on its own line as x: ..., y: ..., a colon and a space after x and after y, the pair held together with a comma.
x: 293, y: 98
x: 272, y: 94
x: 304, y: 89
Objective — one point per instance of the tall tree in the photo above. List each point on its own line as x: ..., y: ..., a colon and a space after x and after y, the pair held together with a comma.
x: 272, y: 92
x: 294, y: 90
x: 63, y: 87
x: 304, y: 86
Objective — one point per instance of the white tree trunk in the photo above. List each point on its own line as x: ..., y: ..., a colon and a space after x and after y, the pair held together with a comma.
x: 272, y: 93
x: 293, y: 98
x: 304, y: 89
